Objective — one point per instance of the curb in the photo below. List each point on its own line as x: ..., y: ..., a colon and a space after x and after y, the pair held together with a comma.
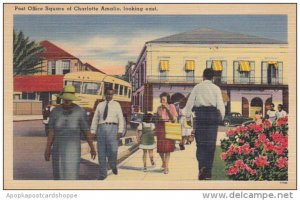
x: 85, y: 149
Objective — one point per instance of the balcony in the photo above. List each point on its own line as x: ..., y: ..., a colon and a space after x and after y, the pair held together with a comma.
x: 218, y: 80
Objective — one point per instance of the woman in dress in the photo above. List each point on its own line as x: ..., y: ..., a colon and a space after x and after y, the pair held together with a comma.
x: 66, y: 122
x: 166, y: 113
x: 186, y: 131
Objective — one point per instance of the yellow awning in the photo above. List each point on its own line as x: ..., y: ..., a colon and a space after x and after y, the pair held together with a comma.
x: 244, y: 66
x: 217, y: 65
x: 275, y: 63
x: 190, y: 65
x: 164, y: 65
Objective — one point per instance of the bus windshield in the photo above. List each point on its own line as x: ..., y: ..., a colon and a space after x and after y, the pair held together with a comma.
x: 76, y: 84
x: 91, y: 88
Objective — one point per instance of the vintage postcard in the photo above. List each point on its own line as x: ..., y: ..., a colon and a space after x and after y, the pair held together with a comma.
x: 149, y: 96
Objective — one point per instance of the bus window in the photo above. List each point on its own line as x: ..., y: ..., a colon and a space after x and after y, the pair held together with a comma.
x: 125, y: 91
x: 76, y: 84
x: 116, y: 89
x: 107, y: 86
x: 129, y: 93
x: 91, y: 88
x: 121, y: 90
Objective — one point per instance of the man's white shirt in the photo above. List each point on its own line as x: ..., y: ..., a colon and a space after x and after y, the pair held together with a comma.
x: 205, y: 94
x: 114, y: 115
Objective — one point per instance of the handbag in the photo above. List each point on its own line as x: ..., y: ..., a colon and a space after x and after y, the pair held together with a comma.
x: 173, y: 131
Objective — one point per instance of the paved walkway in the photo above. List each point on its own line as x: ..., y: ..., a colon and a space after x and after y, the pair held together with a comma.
x: 183, y: 166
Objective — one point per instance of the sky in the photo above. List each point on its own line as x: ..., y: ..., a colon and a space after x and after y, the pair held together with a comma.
x: 108, y: 42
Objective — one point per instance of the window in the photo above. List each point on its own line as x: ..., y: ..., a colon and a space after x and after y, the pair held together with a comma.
x: 125, y: 91
x: 272, y: 72
x: 51, y: 67
x: 163, y: 75
x: 190, y: 75
x: 76, y: 84
x: 107, y: 86
x: 220, y: 69
x: 116, y: 89
x: 129, y: 93
x: 91, y: 88
x: 244, y: 72
x: 121, y: 90
x: 66, y: 66
x: 28, y: 95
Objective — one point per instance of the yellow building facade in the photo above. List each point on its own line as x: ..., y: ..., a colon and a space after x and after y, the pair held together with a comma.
x: 251, y: 71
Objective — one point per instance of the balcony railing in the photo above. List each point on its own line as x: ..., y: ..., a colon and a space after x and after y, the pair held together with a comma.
x: 217, y: 80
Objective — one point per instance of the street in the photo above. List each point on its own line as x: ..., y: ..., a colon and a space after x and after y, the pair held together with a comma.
x: 28, y: 153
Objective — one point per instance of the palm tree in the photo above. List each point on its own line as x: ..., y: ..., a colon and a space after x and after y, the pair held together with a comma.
x: 26, y: 55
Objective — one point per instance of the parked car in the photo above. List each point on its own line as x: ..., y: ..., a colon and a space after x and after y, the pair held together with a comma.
x: 136, y: 119
x: 246, y: 123
x: 235, y: 118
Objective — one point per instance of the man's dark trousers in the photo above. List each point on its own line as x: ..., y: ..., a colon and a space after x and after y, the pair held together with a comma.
x: 206, y: 130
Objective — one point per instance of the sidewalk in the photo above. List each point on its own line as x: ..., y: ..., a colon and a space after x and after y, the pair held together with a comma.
x: 17, y: 118
x: 183, y: 166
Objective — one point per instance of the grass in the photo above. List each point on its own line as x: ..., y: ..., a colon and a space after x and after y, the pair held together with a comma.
x: 218, y: 171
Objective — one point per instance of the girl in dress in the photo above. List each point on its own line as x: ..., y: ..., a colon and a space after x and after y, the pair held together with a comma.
x: 145, y: 137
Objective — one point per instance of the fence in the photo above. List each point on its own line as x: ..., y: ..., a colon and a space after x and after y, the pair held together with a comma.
x: 27, y: 107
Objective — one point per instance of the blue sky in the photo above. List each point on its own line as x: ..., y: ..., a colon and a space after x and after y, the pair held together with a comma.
x: 109, y: 41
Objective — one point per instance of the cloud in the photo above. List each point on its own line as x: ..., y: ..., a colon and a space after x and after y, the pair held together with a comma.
x: 109, y: 53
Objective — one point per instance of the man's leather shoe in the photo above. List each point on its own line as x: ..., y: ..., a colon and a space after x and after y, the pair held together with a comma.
x: 115, y: 171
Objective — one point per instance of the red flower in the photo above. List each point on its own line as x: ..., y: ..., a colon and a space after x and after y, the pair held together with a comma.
x: 223, y: 156
x: 239, y: 164
x: 247, y: 134
x: 232, y: 171
x: 279, y: 149
x: 282, y: 162
x: 233, y: 149
x: 256, y: 128
x: 269, y: 146
x: 261, y: 161
x: 241, y: 141
x: 267, y: 124
x: 262, y: 137
x: 282, y: 121
x: 231, y: 133
x: 246, y: 149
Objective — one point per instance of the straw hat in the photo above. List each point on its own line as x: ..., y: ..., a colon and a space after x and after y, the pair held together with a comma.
x: 68, y: 93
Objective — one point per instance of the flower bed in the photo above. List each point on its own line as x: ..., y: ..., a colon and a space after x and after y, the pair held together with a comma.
x: 257, y: 152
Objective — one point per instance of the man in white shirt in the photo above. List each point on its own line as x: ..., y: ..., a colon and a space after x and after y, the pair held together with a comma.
x: 271, y: 114
x: 108, y: 124
x: 280, y: 113
x: 207, y: 103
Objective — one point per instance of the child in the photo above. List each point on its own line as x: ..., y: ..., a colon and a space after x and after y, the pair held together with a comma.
x: 186, y: 131
x: 145, y: 135
x: 258, y: 117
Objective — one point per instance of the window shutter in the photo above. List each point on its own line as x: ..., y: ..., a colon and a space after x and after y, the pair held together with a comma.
x: 224, y: 72
x: 280, y: 72
x: 252, y: 72
x: 264, y: 72
x: 208, y: 63
x: 236, y: 72
x: 59, y: 67
x: 50, y: 67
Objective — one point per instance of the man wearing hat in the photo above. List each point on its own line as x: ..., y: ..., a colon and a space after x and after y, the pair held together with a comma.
x: 108, y: 123
x: 66, y: 122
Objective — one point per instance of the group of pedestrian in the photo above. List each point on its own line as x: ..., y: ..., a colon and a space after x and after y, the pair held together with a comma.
x: 67, y: 121
x: 199, y: 115
x: 271, y: 115
x: 206, y: 102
